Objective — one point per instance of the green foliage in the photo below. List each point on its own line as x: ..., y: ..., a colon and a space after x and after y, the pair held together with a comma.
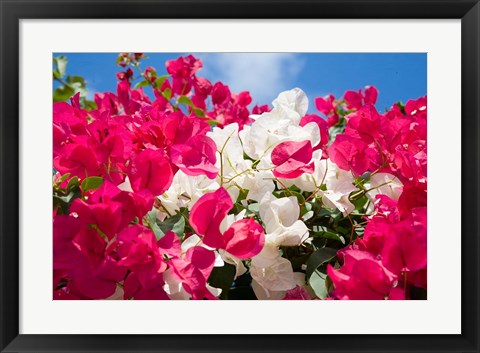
x: 63, y: 197
x: 60, y: 66
x: 160, y: 80
x: 143, y: 83
x: 70, y: 85
x: 152, y: 222
x: 176, y: 224
x: 167, y: 94
x: 91, y: 183
x: 318, y: 258
x: 318, y: 283
x: 185, y: 100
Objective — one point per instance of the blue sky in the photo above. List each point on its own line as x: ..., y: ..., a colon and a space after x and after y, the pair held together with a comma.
x: 397, y: 76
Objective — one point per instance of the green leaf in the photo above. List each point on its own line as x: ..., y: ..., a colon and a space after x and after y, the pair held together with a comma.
x: 317, y: 282
x: 76, y: 79
x: 254, y: 208
x: 160, y: 80
x: 307, y: 216
x: 175, y: 223
x: 299, y: 197
x: 62, y: 94
x: 61, y: 64
x: 79, y: 88
x: 306, y: 208
x: 91, y: 183
x: 88, y: 104
x: 324, y: 232
x: 167, y: 94
x: 199, y: 112
x: 333, y: 236
x: 212, y: 122
x: 64, y: 177
x: 152, y: 220
x: 318, y: 258
x: 222, y: 277
x: 185, y: 100
x: 143, y: 83
x: 72, y: 183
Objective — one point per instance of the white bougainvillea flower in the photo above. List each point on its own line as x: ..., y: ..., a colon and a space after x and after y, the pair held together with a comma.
x: 294, y: 103
x: 229, y: 150
x: 385, y: 184
x: 195, y: 240
x: 282, y: 123
x: 185, y: 191
x: 175, y: 291
x: 258, y: 184
x: 280, y: 216
x: 235, y: 261
x: 276, y: 277
x: 310, y: 182
x: 340, y: 183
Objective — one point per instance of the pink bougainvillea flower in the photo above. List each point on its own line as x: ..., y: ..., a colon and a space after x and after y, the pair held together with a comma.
x: 65, y: 254
x: 244, y: 238
x: 170, y: 244
x: 106, y: 217
x: 353, y: 99
x: 322, y: 125
x: 80, y: 254
x: 297, y: 293
x: 325, y: 104
x: 365, y: 122
x: 362, y: 277
x: 78, y: 160
x: 138, y: 251
x: 144, y: 259
x: 193, y: 270
x: 133, y: 204
x: 327, y: 107
x: 182, y: 70
x: 178, y: 128
x: 125, y: 75
x: 202, y: 87
x: 405, y: 245
x: 196, y: 157
x: 207, y: 214
x: 411, y: 198
x: 243, y: 99
x: 152, y: 290
x: 417, y: 107
x: 150, y: 170
x: 292, y: 159
x: 202, y: 258
x: 260, y: 109
x: 220, y: 93
x: 349, y: 154
x: 370, y: 95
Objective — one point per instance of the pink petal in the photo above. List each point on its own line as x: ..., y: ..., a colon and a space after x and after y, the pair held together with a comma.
x: 207, y: 214
x: 196, y: 157
x: 150, y: 170
x: 292, y: 159
x: 244, y: 238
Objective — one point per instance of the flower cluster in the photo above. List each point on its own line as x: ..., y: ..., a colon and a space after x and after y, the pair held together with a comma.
x: 192, y: 195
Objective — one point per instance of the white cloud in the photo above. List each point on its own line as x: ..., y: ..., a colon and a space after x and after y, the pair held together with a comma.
x: 264, y: 75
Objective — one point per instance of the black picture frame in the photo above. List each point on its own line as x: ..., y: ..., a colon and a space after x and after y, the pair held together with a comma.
x: 14, y: 10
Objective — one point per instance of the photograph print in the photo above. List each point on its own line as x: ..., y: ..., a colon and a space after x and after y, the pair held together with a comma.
x: 239, y: 176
